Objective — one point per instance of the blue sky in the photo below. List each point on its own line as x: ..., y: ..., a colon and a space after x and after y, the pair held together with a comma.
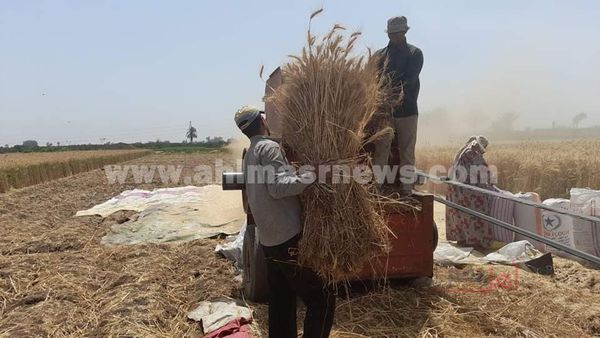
x: 138, y: 70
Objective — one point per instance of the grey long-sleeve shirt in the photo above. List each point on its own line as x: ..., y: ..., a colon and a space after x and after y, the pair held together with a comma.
x: 272, y: 188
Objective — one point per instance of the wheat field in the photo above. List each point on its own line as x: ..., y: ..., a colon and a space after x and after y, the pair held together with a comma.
x: 549, y: 168
x: 18, y: 170
x: 27, y: 159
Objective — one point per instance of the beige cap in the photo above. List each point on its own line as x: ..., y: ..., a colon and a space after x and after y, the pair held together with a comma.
x: 245, y: 116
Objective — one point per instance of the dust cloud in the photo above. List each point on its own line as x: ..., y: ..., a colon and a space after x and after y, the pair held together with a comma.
x: 525, y: 86
x: 236, y: 146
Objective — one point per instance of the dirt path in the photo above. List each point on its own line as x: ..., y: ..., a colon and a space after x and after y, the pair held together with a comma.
x: 57, y: 280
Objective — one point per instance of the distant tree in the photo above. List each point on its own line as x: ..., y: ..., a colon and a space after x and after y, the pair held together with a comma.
x: 29, y: 144
x: 192, y: 133
x: 578, y: 118
x: 48, y: 144
x: 6, y: 146
x: 58, y: 144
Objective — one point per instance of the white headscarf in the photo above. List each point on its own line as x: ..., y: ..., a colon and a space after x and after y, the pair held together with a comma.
x: 482, y: 141
x: 469, y: 141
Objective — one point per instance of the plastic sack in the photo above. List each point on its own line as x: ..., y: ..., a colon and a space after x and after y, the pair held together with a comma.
x: 232, y: 249
x: 448, y: 254
x: 516, y: 252
x: 529, y: 218
x: 503, y: 210
x: 586, y: 234
x: 558, y: 227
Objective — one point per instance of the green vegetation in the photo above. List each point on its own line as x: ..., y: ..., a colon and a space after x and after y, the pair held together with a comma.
x: 210, y: 144
x: 187, y: 149
x: 207, y: 145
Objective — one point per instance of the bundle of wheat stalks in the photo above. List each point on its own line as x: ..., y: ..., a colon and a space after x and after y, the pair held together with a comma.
x: 327, y: 98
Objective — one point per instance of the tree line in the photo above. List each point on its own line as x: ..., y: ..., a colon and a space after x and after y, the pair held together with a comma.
x: 34, y: 146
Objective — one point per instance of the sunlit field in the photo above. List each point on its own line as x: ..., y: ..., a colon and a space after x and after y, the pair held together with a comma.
x: 19, y: 170
x: 549, y: 168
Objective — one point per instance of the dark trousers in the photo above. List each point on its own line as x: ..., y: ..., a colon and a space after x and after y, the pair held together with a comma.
x: 287, y: 281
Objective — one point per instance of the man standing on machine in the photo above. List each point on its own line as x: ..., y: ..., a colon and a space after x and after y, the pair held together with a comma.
x: 401, y: 64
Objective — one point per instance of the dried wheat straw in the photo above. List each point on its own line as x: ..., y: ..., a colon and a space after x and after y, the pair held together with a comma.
x: 327, y: 98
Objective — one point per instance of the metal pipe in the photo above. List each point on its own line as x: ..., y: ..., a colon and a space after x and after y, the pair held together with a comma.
x: 556, y: 245
x: 511, y: 198
x: 232, y: 181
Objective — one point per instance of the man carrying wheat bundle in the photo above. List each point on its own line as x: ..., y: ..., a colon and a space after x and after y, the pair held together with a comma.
x: 401, y: 64
x: 273, y: 191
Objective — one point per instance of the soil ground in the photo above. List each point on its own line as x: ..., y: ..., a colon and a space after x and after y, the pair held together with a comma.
x: 56, y: 279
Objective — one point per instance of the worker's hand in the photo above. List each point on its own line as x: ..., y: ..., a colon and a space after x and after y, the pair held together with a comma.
x: 296, y: 165
x: 319, y: 174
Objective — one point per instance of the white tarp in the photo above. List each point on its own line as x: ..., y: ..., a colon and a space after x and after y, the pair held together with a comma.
x: 173, y: 214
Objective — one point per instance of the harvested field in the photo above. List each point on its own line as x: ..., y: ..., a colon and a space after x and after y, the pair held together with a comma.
x: 559, y: 306
x: 56, y: 279
x: 549, y: 168
x: 18, y: 170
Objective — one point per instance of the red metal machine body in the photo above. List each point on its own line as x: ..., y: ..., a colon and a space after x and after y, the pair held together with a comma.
x: 413, y: 242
